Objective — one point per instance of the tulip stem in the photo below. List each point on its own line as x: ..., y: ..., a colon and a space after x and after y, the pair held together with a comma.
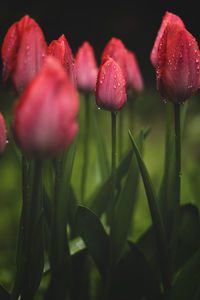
x: 178, y: 150
x: 114, y: 152
x: 30, y: 244
x: 85, y: 145
x: 120, y: 130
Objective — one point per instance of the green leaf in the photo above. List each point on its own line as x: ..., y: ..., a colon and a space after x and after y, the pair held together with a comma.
x: 100, y: 200
x: 155, y: 215
x: 186, y: 285
x: 76, y: 245
x: 91, y: 230
x: 133, y: 278
x: 4, y: 295
x: 124, y: 209
x: 188, y: 243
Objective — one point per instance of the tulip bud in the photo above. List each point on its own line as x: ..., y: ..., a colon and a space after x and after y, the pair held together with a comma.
x: 62, y: 51
x: 44, y: 117
x: 116, y: 50
x: 86, y: 68
x: 110, y: 88
x: 134, y: 77
x: 168, y: 18
x: 178, y: 64
x: 23, y: 51
x: 2, y: 134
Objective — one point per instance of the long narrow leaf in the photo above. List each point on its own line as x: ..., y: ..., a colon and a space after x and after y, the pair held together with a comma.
x: 186, y: 285
x: 91, y: 230
x: 155, y: 215
x: 124, y: 209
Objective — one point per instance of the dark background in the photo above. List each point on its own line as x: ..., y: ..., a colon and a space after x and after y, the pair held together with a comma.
x: 135, y: 23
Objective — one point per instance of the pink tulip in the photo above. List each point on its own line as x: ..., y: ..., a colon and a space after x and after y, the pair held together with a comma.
x: 134, y: 77
x: 23, y: 52
x: 2, y: 134
x: 178, y: 64
x: 168, y: 18
x: 44, y: 117
x: 62, y: 51
x: 110, y: 88
x: 86, y: 68
x: 116, y: 50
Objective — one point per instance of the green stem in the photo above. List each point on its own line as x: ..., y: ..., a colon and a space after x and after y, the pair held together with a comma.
x: 59, y: 255
x: 112, y: 202
x: 120, y: 130
x: 85, y: 145
x: 30, y: 243
x: 114, y: 152
x: 178, y: 150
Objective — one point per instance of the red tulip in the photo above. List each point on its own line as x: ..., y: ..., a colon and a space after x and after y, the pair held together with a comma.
x: 2, y: 134
x: 44, y: 117
x: 168, y: 18
x: 110, y: 88
x: 178, y: 64
x: 23, y: 52
x: 134, y: 77
x: 86, y: 68
x: 62, y: 51
x: 116, y: 50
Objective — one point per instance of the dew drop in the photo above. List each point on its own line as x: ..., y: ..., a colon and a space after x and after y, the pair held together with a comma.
x: 114, y: 86
x: 119, y: 84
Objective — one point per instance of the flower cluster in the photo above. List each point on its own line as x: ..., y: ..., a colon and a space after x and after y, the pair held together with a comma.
x: 44, y: 116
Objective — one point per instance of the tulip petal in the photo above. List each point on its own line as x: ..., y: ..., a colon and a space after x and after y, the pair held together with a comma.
x: 110, y: 89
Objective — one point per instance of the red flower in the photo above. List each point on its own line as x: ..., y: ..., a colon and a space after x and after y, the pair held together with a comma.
x: 178, y: 64
x: 116, y: 50
x: 44, y: 118
x: 168, y: 18
x: 86, y: 68
x: 2, y: 134
x: 62, y: 51
x: 110, y: 88
x: 134, y: 77
x: 23, y: 52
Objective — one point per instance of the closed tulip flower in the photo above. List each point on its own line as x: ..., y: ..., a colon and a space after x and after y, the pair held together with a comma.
x: 134, y: 77
x: 23, y: 52
x: 168, y: 18
x: 116, y: 50
x: 86, y: 68
x: 2, y: 134
x: 44, y: 118
x: 178, y: 64
x: 62, y: 51
x: 110, y: 88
